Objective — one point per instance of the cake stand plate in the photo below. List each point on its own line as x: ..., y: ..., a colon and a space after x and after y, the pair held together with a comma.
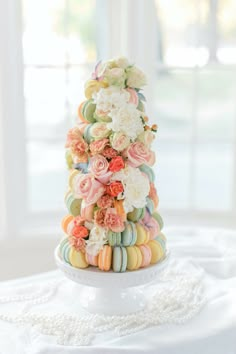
x: 111, y: 293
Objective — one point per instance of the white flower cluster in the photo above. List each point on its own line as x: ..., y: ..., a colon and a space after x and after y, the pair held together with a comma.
x: 126, y: 119
x: 136, y: 187
x: 97, y: 239
x: 114, y: 102
x: 110, y: 98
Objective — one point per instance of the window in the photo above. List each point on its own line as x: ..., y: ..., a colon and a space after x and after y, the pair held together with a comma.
x: 194, y: 97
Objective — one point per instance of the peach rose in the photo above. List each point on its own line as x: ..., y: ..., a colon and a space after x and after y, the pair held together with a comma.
x: 87, y: 187
x: 139, y: 154
x: 98, y: 166
x: 115, y: 188
x: 113, y: 221
x: 119, y: 141
x: 106, y: 201
x: 79, y: 231
x: 116, y: 164
x: 97, y: 146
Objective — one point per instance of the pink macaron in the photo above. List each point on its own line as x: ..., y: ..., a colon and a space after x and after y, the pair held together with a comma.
x: 146, y: 254
x: 92, y: 260
x: 133, y: 96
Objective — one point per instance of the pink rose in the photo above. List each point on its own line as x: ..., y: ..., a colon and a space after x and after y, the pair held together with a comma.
x: 87, y: 187
x: 139, y: 154
x: 151, y: 224
x: 106, y: 201
x: 97, y: 146
x: 99, y: 217
x: 119, y: 141
x: 113, y: 220
x: 98, y: 166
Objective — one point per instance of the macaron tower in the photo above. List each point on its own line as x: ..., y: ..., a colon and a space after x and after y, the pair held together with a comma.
x: 112, y: 221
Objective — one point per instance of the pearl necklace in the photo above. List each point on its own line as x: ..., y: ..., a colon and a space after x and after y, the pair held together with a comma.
x: 178, y: 298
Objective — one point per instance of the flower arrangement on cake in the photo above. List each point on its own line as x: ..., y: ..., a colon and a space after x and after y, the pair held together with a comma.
x: 113, y: 222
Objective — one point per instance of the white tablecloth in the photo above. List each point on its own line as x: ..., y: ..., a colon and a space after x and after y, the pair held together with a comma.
x: 212, y: 331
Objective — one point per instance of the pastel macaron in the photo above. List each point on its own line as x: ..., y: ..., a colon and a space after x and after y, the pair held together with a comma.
x: 72, y: 175
x: 142, y: 234
x: 158, y: 218
x: 157, y: 251
x: 136, y: 214
x: 73, y: 205
x: 87, y: 134
x: 114, y: 238
x: 146, y: 255
x: 65, y: 250
x: 134, y: 257
x: 88, y: 110
x: 69, y: 159
x: 91, y: 259
x: 148, y: 171
x: 119, y: 259
x: 105, y: 258
x: 162, y: 240
x: 77, y: 258
x: 66, y: 221
x: 150, y: 205
x: 129, y: 235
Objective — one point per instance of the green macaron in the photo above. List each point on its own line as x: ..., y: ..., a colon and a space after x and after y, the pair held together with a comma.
x: 73, y: 205
x: 119, y: 259
x: 148, y: 171
x: 88, y: 111
x: 136, y: 214
x: 87, y: 135
x: 150, y: 205
x: 159, y: 219
x: 129, y: 235
x: 114, y: 238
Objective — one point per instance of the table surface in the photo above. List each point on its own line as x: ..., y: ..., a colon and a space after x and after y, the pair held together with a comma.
x: 212, y: 331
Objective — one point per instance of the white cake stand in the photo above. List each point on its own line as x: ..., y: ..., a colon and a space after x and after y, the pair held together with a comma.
x: 111, y: 293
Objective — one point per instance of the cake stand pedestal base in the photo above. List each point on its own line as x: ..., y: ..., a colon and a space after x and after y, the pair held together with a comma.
x: 111, y: 293
x: 111, y: 301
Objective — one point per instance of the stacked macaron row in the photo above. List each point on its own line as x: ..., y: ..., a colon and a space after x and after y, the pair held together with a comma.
x: 135, y: 247
x: 113, y: 221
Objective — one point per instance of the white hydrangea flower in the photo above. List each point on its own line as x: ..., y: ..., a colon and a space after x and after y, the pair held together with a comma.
x: 136, y: 187
x: 97, y: 239
x: 126, y: 119
x: 110, y: 98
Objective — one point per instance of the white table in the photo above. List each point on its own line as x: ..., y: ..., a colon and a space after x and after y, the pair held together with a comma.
x: 212, y: 331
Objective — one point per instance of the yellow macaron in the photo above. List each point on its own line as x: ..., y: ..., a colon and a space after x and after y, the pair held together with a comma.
x: 72, y: 175
x: 157, y: 251
x: 77, y: 258
x: 134, y: 257
x: 142, y: 234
